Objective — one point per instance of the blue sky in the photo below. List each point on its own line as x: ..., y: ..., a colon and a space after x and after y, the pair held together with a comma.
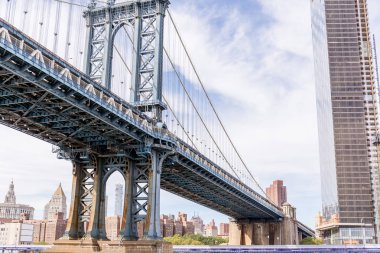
x: 256, y: 57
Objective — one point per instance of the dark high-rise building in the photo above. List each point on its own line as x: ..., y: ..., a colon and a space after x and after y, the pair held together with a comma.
x: 347, y: 121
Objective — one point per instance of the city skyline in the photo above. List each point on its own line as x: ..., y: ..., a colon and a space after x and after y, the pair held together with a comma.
x: 58, y: 203
x: 265, y: 173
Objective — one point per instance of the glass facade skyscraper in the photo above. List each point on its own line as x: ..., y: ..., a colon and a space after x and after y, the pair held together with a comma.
x: 347, y: 121
x: 119, y: 199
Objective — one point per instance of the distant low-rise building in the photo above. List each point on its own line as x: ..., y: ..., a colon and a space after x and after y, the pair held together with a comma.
x: 211, y: 229
x: 182, y: 217
x: 224, y: 229
x: 168, y: 226
x: 140, y: 228
x: 16, y: 233
x: 9, y: 210
x: 48, y: 231
x: 113, y: 226
x: 188, y: 228
x: 178, y: 227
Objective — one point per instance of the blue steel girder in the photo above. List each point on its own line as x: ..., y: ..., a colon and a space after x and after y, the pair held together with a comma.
x: 40, y: 113
x: 6, y: 93
x: 88, y: 105
x: 14, y: 101
x: 31, y: 128
x: 58, y: 122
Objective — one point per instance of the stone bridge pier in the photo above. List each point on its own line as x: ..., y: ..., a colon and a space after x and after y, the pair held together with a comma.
x: 266, y: 232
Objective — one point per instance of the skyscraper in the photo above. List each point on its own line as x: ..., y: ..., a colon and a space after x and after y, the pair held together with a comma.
x: 56, y: 204
x: 119, y: 199
x: 347, y: 121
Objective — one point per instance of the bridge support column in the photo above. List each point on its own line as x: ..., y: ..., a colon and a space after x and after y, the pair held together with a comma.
x: 153, y: 213
x: 129, y: 227
x: 75, y: 229
x: 253, y: 232
x: 96, y: 226
x: 87, y: 209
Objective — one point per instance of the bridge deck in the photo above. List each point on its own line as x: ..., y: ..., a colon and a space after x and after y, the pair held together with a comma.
x: 45, y: 97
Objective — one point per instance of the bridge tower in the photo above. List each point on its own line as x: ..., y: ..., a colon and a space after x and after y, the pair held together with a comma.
x: 146, y: 17
x: 140, y: 164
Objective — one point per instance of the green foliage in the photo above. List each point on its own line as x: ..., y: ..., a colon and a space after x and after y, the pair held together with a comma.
x: 40, y: 243
x: 311, y: 241
x: 195, y: 240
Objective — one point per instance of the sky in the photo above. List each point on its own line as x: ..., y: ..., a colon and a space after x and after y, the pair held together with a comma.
x: 256, y: 56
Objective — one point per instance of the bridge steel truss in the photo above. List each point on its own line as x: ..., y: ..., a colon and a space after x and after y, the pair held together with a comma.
x: 147, y: 20
x: 47, y: 98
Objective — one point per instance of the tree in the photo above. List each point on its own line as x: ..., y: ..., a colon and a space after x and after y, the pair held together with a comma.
x: 195, y: 240
x: 311, y: 241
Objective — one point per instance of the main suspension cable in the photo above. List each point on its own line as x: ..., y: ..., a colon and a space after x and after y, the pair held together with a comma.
x: 211, y: 104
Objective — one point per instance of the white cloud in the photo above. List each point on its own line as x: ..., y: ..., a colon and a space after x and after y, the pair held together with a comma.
x: 265, y: 71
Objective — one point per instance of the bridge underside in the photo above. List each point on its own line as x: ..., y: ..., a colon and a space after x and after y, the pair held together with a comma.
x: 28, y: 108
x: 205, y: 188
x: 45, y: 97
x: 41, y: 105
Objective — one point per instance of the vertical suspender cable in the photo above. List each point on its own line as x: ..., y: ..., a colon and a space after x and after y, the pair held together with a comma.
x: 77, y: 52
x: 68, y: 34
x: 47, y: 27
x: 12, y: 11
x: 8, y: 11
x: 25, y: 13
x: 57, y: 26
x: 41, y: 22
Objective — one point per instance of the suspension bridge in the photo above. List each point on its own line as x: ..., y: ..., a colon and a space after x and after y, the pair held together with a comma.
x: 125, y: 97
